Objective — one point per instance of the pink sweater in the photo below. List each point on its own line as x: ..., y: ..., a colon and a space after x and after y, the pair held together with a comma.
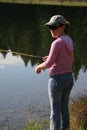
x: 60, y: 57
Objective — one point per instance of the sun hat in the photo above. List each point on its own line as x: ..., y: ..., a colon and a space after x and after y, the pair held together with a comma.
x: 56, y: 20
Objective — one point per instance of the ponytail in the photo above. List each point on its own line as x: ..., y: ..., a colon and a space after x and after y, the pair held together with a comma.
x: 67, y: 26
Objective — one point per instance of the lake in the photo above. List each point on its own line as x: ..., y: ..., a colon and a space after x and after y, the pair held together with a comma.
x: 22, y: 30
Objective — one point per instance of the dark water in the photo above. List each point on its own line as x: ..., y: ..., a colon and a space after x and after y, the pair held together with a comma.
x: 22, y: 30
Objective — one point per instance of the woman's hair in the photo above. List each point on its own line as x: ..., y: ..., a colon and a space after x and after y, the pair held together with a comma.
x: 67, y: 26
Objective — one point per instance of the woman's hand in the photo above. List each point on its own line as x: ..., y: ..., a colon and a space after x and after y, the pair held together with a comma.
x: 40, y: 67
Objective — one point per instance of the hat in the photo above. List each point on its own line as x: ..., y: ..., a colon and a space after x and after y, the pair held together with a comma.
x: 56, y: 20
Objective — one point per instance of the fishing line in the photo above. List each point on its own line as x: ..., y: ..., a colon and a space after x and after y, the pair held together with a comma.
x: 22, y: 54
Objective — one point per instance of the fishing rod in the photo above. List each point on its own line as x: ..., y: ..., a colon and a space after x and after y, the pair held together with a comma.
x: 22, y: 54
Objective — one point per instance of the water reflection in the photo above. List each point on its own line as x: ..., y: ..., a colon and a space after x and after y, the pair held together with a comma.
x: 20, y: 86
x: 23, y: 31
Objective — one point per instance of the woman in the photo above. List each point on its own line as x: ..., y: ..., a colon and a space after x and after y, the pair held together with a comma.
x: 59, y: 61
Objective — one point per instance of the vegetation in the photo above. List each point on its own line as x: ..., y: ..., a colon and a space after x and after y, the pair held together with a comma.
x: 17, y: 33
x: 50, y: 2
x: 36, y: 125
x: 33, y: 126
x: 78, y: 117
x: 78, y: 112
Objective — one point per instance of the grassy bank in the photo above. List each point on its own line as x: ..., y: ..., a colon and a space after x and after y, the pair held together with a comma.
x: 45, y: 2
x: 78, y: 118
x: 78, y: 113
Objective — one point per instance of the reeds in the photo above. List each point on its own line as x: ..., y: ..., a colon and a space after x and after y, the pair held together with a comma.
x: 78, y: 117
x: 33, y: 126
x: 78, y: 114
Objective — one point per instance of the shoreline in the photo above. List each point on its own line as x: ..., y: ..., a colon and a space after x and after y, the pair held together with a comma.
x: 33, y: 2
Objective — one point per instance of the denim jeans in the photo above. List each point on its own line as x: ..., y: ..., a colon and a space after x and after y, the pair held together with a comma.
x: 59, y: 87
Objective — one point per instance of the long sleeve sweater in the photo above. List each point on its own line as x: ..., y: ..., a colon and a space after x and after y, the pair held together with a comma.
x: 60, y: 57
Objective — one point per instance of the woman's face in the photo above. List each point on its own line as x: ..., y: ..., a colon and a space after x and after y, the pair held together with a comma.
x: 57, y: 32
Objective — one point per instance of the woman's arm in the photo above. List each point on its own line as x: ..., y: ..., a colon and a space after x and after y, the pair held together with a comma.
x: 48, y: 60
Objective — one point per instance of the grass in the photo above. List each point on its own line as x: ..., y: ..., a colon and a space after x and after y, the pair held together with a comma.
x: 46, y: 2
x: 38, y: 125
x: 78, y: 117
x: 78, y: 113
x: 33, y: 126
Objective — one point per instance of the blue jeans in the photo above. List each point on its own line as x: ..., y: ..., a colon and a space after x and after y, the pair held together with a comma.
x: 59, y: 87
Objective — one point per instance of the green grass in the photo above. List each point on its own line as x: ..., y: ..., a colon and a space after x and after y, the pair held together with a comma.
x: 78, y: 118
x: 33, y: 126
x: 38, y: 125
x: 46, y: 2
